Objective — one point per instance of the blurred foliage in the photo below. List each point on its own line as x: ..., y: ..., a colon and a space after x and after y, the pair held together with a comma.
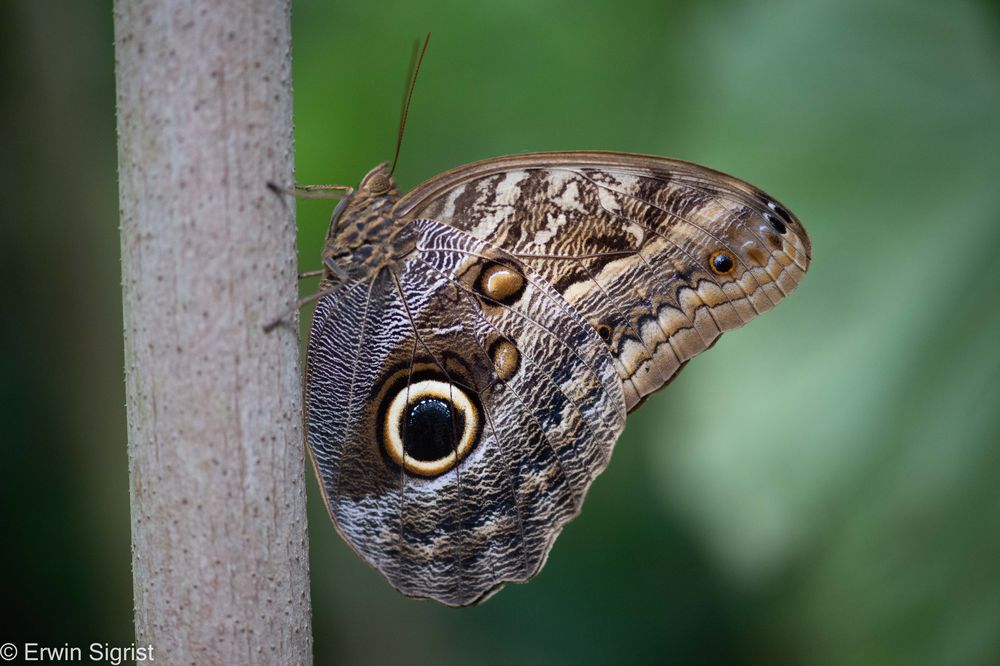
x: 822, y: 487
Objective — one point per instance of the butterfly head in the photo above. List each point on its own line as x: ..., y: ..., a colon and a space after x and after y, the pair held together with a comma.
x: 379, y: 183
x: 364, y: 236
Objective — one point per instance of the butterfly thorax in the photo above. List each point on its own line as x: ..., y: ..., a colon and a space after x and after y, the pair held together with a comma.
x: 364, y: 236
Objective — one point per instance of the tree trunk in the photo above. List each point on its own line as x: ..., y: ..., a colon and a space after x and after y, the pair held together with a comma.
x: 220, y: 560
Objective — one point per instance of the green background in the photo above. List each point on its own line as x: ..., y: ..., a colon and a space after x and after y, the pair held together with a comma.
x: 822, y: 487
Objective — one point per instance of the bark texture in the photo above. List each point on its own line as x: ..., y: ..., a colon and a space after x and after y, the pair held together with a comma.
x: 208, y: 256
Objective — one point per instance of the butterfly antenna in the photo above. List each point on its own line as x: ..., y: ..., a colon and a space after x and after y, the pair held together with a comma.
x: 414, y: 52
x: 411, y: 82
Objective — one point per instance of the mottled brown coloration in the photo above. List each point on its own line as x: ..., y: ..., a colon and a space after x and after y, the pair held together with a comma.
x: 545, y: 295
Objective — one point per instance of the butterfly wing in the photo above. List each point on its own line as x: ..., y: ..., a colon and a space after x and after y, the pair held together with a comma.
x: 458, y: 409
x: 462, y: 400
x: 629, y: 241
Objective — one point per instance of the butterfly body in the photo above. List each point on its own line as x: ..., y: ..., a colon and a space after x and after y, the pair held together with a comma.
x: 488, y: 332
x: 364, y: 236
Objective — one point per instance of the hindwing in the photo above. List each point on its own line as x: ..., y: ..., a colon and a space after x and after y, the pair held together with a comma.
x: 513, y: 359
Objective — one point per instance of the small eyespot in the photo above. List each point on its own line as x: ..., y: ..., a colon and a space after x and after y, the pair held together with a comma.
x: 604, y: 331
x: 782, y: 213
x: 775, y: 223
x: 379, y: 184
x: 500, y: 283
x: 721, y: 262
x: 506, y: 358
x: 429, y: 427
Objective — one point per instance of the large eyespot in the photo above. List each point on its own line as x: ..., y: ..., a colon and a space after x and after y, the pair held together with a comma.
x: 722, y: 262
x: 429, y: 427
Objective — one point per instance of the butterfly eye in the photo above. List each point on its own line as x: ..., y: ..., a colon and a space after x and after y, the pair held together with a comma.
x: 429, y: 427
x: 379, y: 184
x: 722, y: 262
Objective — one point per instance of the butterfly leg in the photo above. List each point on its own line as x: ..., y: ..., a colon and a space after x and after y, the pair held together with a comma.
x: 340, y: 279
x: 305, y: 300
x: 312, y: 191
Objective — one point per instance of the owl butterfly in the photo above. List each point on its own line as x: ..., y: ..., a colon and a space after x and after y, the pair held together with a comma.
x: 478, y: 341
x: 482, y: 337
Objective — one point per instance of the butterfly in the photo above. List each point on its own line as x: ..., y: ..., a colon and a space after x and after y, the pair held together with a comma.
x: 480, y: 339
x: 477, y: 343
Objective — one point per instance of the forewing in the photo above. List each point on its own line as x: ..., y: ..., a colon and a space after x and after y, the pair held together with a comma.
x: 628, y: 240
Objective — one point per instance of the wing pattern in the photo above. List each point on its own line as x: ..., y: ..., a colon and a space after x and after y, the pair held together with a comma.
x: 469, y: 377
